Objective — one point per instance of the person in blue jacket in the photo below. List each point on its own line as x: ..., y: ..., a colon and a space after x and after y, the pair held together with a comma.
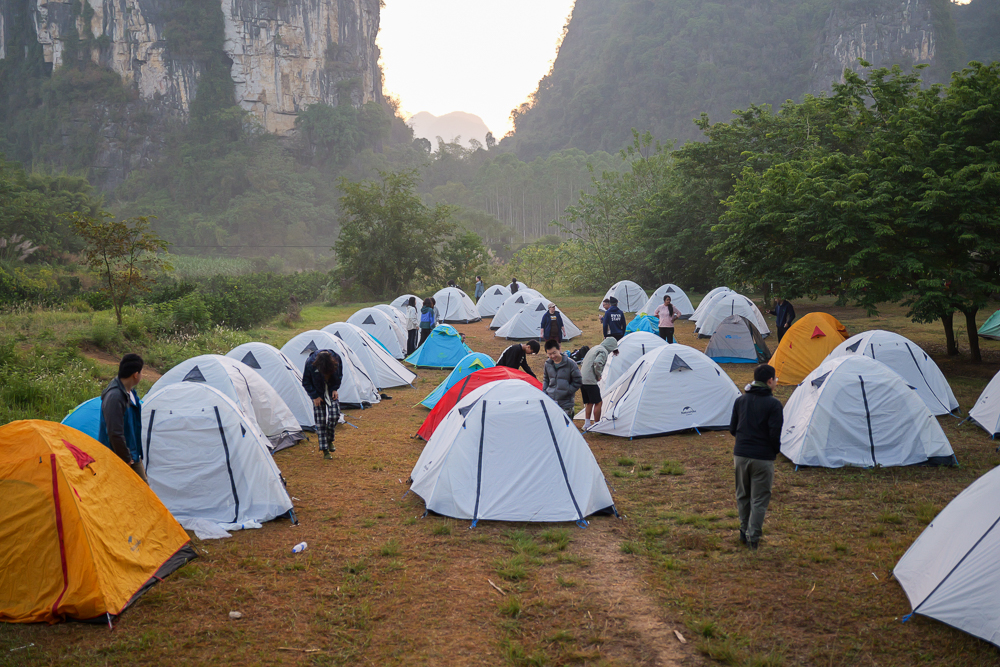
x: 613, y: 321
x: 120, y: 428
x: 552, y: 327
x: 321, y: 379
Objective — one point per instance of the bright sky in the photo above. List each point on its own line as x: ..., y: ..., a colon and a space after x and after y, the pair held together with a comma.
x: 480, y: 56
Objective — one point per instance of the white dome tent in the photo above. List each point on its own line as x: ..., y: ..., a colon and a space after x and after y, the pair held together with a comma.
x: 357, y: 389
x: 400, y: 302
x: 855, y: 411
x: 206, y: 460
x: 951, y: 572
x: 986, y: 412
x: 526, y: 323
x: 630, y: 348
x: 279, y: 372
x: 727, y: 305
x: 382, y: 328
x: 673, y: 388
x: 677, y: 296
x: 455, y: 306
x: 379, y: 365
x: 507, y: 452
x: 491, y: 300
x: 511, y: 305
x: 706, y: 301
x: 631, y: 297
x: 397, y: 314
x: 245, y: 387
x: 909, y: 361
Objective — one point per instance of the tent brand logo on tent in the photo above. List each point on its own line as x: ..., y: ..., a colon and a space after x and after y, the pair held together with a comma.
x: 688, y: 411
x: 134, y: 544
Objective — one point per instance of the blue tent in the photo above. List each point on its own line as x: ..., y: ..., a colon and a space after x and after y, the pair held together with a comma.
x: 644, y: 323
x: 991, y: 327
x: 471, y: 363
x: 86, y: 417
x: 442, y: 349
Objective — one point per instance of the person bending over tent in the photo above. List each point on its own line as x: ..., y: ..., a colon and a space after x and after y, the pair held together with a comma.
x: 321, y: 380
x: 516, y: 356
x: 561, y: 378
x: 120, y: 429
x: 668, y: 315
x: 756, y: 424
x: 784, y: 315
x: 613, y: 321
x: 591, y: 372
x: 552, y: 327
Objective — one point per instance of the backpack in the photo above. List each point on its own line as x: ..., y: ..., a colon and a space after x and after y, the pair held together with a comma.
x: 579, y: 354
x: 427, y: 318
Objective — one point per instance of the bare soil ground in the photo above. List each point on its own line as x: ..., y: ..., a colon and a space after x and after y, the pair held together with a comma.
x: 380, y: 584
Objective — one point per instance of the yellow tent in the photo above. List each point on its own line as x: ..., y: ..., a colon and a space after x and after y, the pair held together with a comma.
x: 805, y: 345
x: 81, y: 536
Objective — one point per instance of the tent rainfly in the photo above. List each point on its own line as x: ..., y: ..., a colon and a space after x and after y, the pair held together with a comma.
x: 986, y: 412
x: 951, y: 572
x: 642, y: 322
x: 279, y: 372
x: 631, y: 298
x: 379, y: 365
x: 382, y: 328
x: 455, y: 306
x: 526, y: 324
x: 206, y: 461
x: 245, y: 387
x: 737, y: 341
x: 673, y: 388
x: 86, y: 417
x: 469, y: 364
x: 491, y: 300
x: 991, y: 327
x: 398, y: 315
x: 401, y: 301
x: 443, y: 348
x: 506, y: 452
x: 357, y: 389
x: 83, y: 537
x: 805, y: 345
x: 511, y: 305
x: 726, y: 305
x: 465, y: 387
x: 677, y: 296
x: 706, y: 302
x: 909, y: 361
x: 856, y: 411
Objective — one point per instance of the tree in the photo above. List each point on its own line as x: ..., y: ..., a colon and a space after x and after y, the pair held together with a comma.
x: 491, y: 141
x: 463, y: 258
x: 388, y: 236
x: 124, y: 252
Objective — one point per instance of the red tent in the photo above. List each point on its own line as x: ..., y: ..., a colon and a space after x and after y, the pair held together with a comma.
x: 463, y: 388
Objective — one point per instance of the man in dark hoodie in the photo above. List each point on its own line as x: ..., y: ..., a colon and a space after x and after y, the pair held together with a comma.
x: 321, y: 379
x: 756, y: 424
x: 516, y: 356
x: 784, y: 315
x: 121, y: 414
x: 613, y: 321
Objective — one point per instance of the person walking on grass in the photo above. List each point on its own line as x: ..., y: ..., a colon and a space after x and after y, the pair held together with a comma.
x: 552, y: 327
x: 120, y: 426
x: 668, y: 315
x: 613, y: 321
x: 426, y: 320
x: 480, y: 288
x: 561, y: 377
x: 321, y: 380
x: 412, y: 325
x: 756, y: 424
x: 784, y: 315
x: 516, y: 356
x: 591, y: 371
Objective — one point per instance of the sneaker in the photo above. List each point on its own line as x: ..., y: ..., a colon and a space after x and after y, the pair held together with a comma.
x: 586, y: 424
x: 327, y: 456
x: 743, y: 537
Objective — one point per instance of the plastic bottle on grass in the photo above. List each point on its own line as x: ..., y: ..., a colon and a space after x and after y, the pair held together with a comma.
x: 299, y: 548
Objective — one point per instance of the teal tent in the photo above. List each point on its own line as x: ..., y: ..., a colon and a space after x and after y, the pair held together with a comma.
x: 442, y: 349
x: 86, y: 417
x: 471, y: 363
x: 644, y: 323
x: 991, y: 327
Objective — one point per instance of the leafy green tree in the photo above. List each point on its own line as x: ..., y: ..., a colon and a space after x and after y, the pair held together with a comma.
x: 463, y: 258
x: 388, y: 236
x: 123, y: 251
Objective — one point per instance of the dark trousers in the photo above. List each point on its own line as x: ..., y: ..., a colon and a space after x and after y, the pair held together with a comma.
x: 617, y: 336
x: 754, y: 478
x: 667, y: 334
x: 411, y: 340
x: 782, y: 329
x: 424, y: 333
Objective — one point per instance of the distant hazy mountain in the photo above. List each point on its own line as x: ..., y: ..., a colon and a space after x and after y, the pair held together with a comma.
x: 451, y: 125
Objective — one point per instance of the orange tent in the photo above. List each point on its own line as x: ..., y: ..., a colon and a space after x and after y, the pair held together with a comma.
x: 82, y: 536
x: 805, y: 345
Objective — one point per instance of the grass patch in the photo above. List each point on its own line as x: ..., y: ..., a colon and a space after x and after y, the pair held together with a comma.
x: 391, y: 548
x: 925, y: 513
x: 625, y: 461
x: 671, y: 468
x: 890, y: 518
x: 512, y: 568
x: 557, y: 538
x: 510, y: 606
x: 441, y: 529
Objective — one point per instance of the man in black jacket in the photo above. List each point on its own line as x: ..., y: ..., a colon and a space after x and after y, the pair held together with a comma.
x: 784, y: 315
x: 516, y: 356
x: 120, y: 425
x: 613, y: 322
x: 321, y: 379
x: 756, y: 424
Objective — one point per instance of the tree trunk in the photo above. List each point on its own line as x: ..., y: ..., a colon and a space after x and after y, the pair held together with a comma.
x: 970, y: 324
x: 949, y: 333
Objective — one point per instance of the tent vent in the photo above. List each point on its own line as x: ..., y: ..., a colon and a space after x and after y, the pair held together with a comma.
x: 251, y: 361
x: 817, y: 333
x: 310, y: 348
x: 337, y: 334
x: 520, y: 299
x: 669, y: 290
x: 497, y: 292
x: 854, y: 348
x: 243, y: 430
x: 678, y: 364
x: 194, y: 375
x: 818, y: 382
x: 464, y: 411
x: 369, y: 320
x: 540, y: 307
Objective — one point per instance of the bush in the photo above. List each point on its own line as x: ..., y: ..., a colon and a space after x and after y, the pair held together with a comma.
x: 191, y: 314
x: 104, y: 332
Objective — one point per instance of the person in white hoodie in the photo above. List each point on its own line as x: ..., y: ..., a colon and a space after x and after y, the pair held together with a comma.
x: 412, y: 325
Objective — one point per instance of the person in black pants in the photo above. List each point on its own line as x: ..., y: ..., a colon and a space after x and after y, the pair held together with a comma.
x: 784, y: 314
x: 756, y: 423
